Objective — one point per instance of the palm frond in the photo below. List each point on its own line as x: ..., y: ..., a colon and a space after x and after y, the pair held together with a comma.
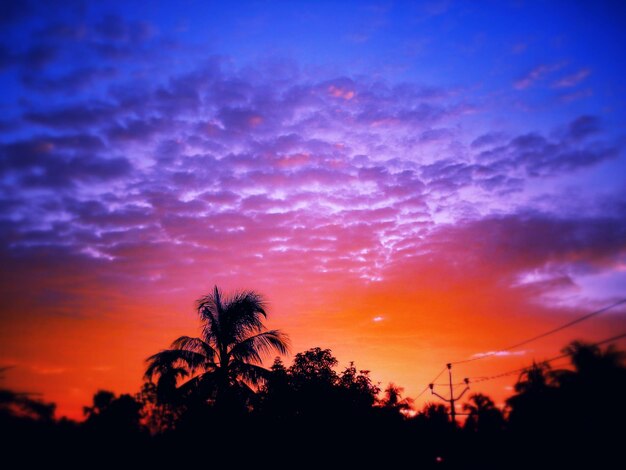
x: 196, y: 345
x: 209, y: 309
x: 242, y: 315
x: 254, y: 347
x: 250, y: 373
x: 168, y: 359
x: 203, y: 385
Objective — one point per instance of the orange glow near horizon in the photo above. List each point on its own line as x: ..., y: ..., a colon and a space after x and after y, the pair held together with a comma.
x: 75, y: 357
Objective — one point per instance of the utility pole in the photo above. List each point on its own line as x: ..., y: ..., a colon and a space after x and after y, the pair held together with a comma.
x: 451, y: 400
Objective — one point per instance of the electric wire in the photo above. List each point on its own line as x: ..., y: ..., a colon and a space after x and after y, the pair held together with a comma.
x: 433, y: 380
x: 529, y: 340
x: 474, y: 380
x: 543, y: 335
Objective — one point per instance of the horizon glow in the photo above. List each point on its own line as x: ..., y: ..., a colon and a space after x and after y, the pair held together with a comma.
x: 457, y: 166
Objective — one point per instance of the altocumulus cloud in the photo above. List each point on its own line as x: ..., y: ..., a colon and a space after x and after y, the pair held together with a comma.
x: 271, y: 167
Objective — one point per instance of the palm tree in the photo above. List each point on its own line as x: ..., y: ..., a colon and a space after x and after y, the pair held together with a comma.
x: 535, y: 399
x: 393, y: 403
x: 483, y: 414
x: 226, y: 359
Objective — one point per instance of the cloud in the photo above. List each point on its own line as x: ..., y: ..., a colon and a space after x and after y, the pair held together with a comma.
x: 115, y: 28
x: 13, y: 10
x: 537, y: 74
x: 59, y: 161
x: 78, y: 79
x: 141, y: 182
x: 42, y: 370
x: 538, y: 155
x: 498, y: 354
x: 583, y: 127
x: 74, y: 117
x: 519, y: 242
x: 34, y: 59
x: 572, y: 80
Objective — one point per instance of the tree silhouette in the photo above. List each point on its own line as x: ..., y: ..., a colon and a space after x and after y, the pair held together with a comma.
x: 483, y: 415
x: 109, y: 413
x: 225, y: 361
x: 568, y: 404
x: 314, y: 365
x: 393, y: 401
x: 21, y: 405
x: 591, y: 365
x: 534, y: 399
x: 595, y: 370
x: 159, y: 414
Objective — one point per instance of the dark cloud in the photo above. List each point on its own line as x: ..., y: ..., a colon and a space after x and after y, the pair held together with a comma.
x: 59, y: 161
x: 538, y: 155
x: 70, y: 83
x: 33, y: 59
x: 115, y: 28
x: 487, y: 139
x: 138, y: 129
x: 11, y: 11
x: 436, y: 135
x: 583, y: 126
x: 38, y: 56
x: 517, y: 242
x: 74, y: 117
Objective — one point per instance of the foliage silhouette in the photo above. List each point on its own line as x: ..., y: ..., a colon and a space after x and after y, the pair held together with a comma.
x: 224, y: 362
x: 21, y: 405
x: 393, y: 403
x: 483, y: 416
x: 111, y: 414
x: 311, y: 414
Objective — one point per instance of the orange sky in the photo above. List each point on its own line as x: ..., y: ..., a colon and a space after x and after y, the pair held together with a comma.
x: 425, y: 323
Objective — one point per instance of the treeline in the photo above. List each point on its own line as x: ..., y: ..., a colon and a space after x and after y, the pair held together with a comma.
x: 309, y: 412
x: 207, y: 401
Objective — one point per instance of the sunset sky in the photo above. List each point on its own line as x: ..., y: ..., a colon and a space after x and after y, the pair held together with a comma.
x: 407, y: 183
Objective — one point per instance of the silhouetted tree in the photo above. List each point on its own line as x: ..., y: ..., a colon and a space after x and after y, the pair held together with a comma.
x: 359, y: 392
x: 22, y: 405
x: 314, y: 365
x: 158, y: 415
x: 436, y: 415
x: 277, y: 394
x: 595, y: 371
x: 312, y: 390
x: 592, y: 366
x: 226, y: 359
x: 392, y: 401
x: 568, y: 405
x: 534, y: 400
x: 111, y: 414
x: 483, y: 416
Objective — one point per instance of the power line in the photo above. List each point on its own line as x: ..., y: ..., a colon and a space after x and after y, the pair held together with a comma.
x: 451, y: 401
x: 547, y: 361
x: 522, y: 343
x: 432, y: 381
x: 543, y: 335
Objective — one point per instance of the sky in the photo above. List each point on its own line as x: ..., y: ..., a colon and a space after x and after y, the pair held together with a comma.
x: 407, y: 183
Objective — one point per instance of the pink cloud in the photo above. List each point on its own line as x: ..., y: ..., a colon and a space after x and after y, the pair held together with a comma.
x: 570, y: 81
x: 337, y: 92
x: 537, y: 74
x: 498, y: 354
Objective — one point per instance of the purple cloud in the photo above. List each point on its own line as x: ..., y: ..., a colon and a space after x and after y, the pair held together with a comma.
x: 536, y: 74
x: 572, y: 80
